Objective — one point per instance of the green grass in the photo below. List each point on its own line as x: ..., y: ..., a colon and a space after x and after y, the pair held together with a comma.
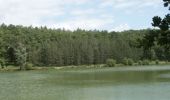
x: 15, y: 68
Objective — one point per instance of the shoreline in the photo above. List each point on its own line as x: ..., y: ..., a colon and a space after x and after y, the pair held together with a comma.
x: 118, y: 67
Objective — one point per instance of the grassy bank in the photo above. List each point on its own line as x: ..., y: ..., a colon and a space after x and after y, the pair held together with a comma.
x: 15, y: 68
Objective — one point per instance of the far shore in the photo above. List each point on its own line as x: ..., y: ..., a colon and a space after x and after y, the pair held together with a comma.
x: 118, y: 67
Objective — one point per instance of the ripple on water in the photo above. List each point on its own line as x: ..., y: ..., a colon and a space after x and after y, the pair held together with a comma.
x: 165, y: 76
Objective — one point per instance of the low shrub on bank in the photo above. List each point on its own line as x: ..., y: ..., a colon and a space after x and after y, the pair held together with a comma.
x: 2, y: 63
x: 140, y: 62
x: 29, y: 66
x: 157, y: 62
x: 110, y: 63
x: 145, y: 62
x: 125, y: 61
x: 128, y: 61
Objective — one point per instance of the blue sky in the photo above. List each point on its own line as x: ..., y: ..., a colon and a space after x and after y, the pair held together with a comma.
x: 111, y: 15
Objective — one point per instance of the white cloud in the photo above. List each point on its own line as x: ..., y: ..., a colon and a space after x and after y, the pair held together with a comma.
x: 82, y: 12
x: 84, y: 23
x: 51, y: 12
x: 28, y: 12
x: 32, y: 12
x: 121, y: 27
x: 129, y: 3
x: 77, y: 2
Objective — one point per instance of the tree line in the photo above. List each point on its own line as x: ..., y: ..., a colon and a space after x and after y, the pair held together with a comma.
x: 43, y: 46
x: 159, y: 39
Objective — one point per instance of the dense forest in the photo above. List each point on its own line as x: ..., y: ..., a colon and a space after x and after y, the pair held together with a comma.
x: 43, y: 46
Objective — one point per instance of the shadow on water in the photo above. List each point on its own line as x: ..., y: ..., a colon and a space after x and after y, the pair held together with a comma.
x: 109, y: 77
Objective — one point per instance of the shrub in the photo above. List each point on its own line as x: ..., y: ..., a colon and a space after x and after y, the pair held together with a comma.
x: 145, y: 62
x: 140, y: 62
x: 130, y: 62
x: 110, y: 63
x: 125, y: 61
x: 2, y: 63
x: 157, y: 62
x: 29, y: 66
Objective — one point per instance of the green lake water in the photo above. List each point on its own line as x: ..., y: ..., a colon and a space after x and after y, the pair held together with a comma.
x: 125, y: 83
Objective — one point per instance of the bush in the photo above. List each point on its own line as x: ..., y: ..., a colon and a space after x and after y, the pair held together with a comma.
x: 2, y: 63
x: 157, y: 62
x: 130, y: 62
x: 140, y: 62
x: 110, y: 63
x: 125, y: 61
x: 145, y: 62
x: 29, y: 66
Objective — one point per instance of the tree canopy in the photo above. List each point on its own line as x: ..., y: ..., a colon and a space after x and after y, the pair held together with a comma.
x: 158, y: 38
x: 43, y: 46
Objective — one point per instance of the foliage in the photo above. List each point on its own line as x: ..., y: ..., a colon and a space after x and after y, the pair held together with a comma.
x: 21, y: 55
x: 2, y: 63
x: 157, y: 62
x: 110, y: 62
x: 29, y: 66
x: 157, y: 39
x: 164, y: 23
x: 140, y: 62
x: 125, y: 61
x: 59, y: 47
x: 128, y: 61
x: 145, y: 62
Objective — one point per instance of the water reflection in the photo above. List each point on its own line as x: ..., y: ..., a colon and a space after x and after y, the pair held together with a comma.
x: 93, y: 84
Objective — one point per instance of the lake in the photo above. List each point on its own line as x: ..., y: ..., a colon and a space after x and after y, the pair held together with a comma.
x: 124, y: 83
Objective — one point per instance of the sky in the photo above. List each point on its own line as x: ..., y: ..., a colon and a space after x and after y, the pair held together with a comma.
x: 111, y: 15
